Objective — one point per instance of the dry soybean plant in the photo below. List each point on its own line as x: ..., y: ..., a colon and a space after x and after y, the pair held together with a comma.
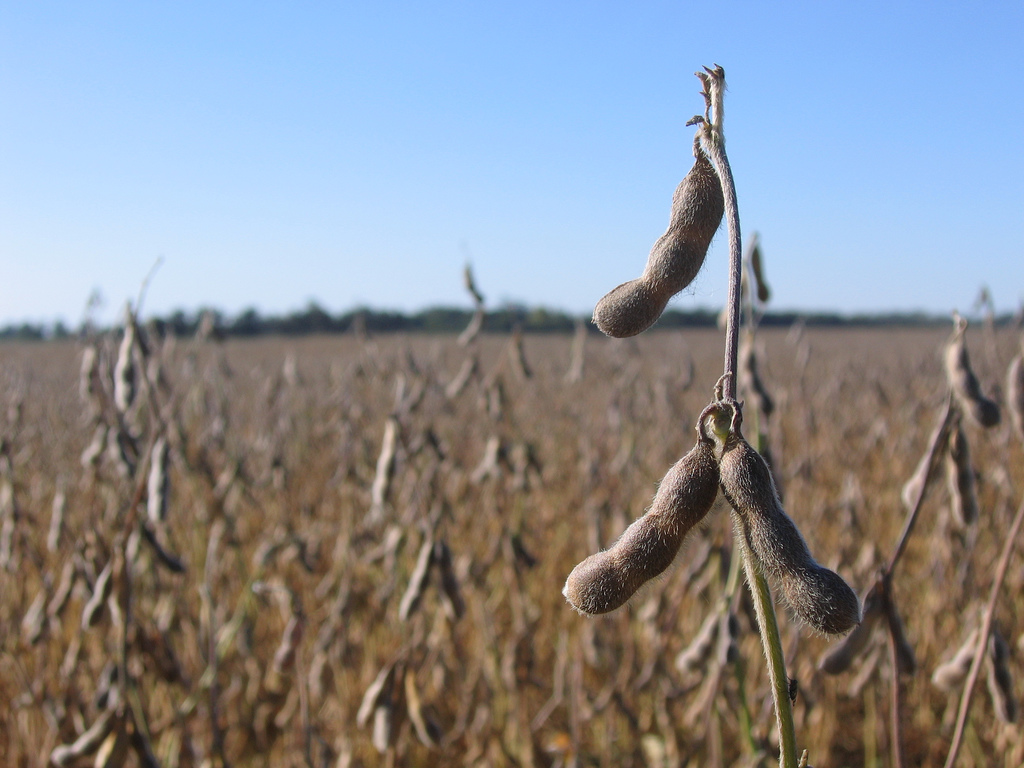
x: 770, y: 543
x: 266, y: 599
x: 949, y: 446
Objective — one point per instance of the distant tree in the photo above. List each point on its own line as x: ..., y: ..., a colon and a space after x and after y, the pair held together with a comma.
x: 248, y: 323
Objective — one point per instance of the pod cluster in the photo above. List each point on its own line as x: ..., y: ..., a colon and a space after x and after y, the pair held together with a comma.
x: 721, y: 459
x: 675, y: 259
x: 950, y: 439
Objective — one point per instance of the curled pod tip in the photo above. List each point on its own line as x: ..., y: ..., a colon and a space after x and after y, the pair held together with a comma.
x: 629, y: 309
x: 606, y: 580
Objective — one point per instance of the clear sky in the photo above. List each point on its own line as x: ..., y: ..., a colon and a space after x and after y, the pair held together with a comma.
x: 273, y: 154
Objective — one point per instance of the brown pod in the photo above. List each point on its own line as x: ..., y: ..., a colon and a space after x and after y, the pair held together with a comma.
x: 964, y: 383
x: 906, y: 659
x: 949, y: 675
x: 1015, y: 393
x: 675, y: 259
x: 817, y: 596
x: 1000, y: 683
x: 88, y: 742
x: 451, y: 593
x: 757, y: 267
x: 418, y: 580
x: 960, y: 479
x: 695, y: 656
x: 605, y: 581
x: 753, y: 387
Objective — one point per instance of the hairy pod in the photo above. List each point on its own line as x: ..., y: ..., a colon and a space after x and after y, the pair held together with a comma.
x: 102, y: 589
x: 960, y: 479
x: 605, y: 581
x: 88, y: 742
x: 378, y: 694
x: 1015, y: 393
x: 751, y: 380
x: 964, y: 383
x: 850, y: 648
x: 451, y: 594
x: 427, y: 729
x: 124, y: 369
x: 158, y: 485
x: 418, y: 580
x: 695, y: 656
x: 757, y: 267
x: 916, y: 485
x: 60, y: 505
x: 817, y: 596
x: 675, y: 259
x: 728, y: 637
x: 906, y: 659
x: 950, y: 674
x: 1000, y: 684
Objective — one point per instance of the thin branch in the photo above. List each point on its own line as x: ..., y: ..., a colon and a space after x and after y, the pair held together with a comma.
x: 712, y: 141
x: 986, y: 630
x: 932, y: 457
x: 896, y: 737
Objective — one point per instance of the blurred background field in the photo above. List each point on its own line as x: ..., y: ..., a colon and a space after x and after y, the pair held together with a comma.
x: 385, y: 523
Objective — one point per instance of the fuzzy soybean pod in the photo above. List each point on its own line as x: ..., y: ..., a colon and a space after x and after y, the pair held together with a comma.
x: 1015, y: 392
x: 605, y: 581
x: 757, y: 267
x: 751, y: 379
x: 1000, y: 682
x: 817, y: 596
x: 964, y: 383
x: 675, y: 259
x: 960, y: 479
x: 950, y: 675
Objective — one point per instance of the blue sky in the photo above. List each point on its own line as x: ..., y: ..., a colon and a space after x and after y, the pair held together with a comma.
x: 273, y: 154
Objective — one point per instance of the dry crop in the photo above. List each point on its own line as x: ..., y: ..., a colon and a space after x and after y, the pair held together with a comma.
x: 341, y: 559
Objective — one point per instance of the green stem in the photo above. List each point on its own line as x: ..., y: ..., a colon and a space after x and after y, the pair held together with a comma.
x: 772, y: 644
x: 732, y: 586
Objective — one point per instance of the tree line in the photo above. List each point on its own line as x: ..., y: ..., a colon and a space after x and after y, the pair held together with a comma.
x: 314, y: 319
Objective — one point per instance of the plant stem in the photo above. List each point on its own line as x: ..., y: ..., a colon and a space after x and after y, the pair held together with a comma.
x: 713, y: 143
x: 772, y: 643
x: 939, y: 436
x: 896, y: 705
